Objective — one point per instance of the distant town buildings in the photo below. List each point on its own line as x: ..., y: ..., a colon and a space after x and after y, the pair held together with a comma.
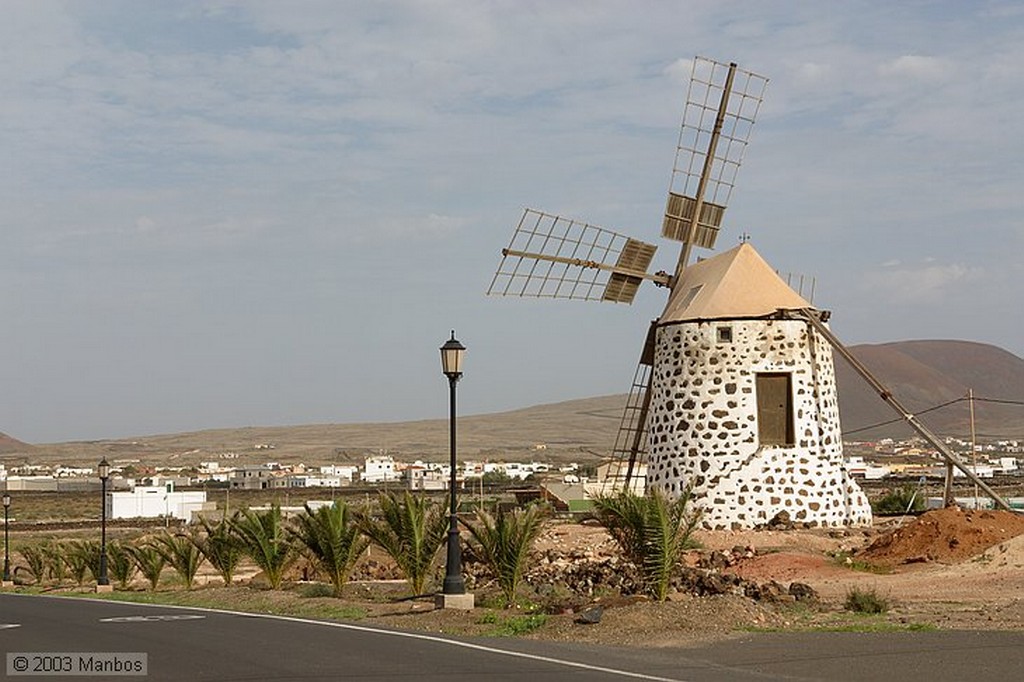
x: 146, y: 491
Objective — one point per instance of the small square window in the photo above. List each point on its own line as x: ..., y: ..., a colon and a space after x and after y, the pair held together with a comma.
x: 725, y: 335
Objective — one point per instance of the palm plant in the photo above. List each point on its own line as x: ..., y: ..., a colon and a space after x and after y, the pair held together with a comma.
x: 56, y: 563
x: 332, y: 537
x: 121, y: 564
x: 410, y: 530
x: 651, y: 530
x: 80, y: 557
x: 91, y: 550
x: 35, y: 558
x: 504, y: 541
x: 220, y: 547
x: 266, y: 542
x: 181, y: 553
x: 150, y: 561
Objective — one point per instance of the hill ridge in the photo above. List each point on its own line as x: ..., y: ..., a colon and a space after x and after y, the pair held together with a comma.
x: 921, y: 373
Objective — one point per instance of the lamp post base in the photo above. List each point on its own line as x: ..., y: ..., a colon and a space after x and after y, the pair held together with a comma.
x: 7, y: 583
x: 104, y: 588
x: 463, y: 602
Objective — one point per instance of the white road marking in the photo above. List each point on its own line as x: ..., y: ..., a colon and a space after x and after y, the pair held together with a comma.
x: 408, y: 635
x: 151, y: 619
x: 8, y: 626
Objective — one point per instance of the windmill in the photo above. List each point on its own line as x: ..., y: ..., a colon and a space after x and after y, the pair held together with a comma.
x: 734, y: 398
x: 554, y: 257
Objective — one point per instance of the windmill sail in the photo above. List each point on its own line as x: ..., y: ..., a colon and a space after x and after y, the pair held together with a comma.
x: 554, y: 257
x: 721, y: 106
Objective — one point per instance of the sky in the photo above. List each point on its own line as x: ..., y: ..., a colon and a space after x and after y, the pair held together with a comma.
x: 260, y: 213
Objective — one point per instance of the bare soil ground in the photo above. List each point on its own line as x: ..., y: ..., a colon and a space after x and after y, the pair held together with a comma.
x: 947, y: 569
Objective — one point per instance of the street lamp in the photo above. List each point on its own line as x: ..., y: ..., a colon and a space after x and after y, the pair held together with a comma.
x: 452, y: 353
x: 7, y: 553
x: 104, y: 469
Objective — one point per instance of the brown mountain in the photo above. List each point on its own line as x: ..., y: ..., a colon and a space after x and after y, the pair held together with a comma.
x: 10, y: 445
x: 926, y: 374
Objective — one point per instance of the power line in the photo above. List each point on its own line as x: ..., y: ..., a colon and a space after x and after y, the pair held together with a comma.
x: 999, y: 401
x: 900, y: 419
x: 873, y: 426
x: 1001, y: 436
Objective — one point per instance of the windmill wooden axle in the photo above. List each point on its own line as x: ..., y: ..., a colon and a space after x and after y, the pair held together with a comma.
x: 661, y: 279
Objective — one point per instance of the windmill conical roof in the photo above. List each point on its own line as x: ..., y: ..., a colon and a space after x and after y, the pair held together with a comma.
x: 735, y: 284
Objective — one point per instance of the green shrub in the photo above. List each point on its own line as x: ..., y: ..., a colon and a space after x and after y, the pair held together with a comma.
x: 512, y: 626
x: 515, y: 626
x: 865, y: 601
x: 899, y: 501
x: 489, y: 618
x: 313, y: 590
x: 847, y: 560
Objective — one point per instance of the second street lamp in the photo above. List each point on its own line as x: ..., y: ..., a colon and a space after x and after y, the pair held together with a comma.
x: 104, y: 470
x: 454, y: 591
x: 7, y: 547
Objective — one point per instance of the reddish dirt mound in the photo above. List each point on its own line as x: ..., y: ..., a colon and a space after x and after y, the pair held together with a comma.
x: 786, y: 567
x: 946, y: 535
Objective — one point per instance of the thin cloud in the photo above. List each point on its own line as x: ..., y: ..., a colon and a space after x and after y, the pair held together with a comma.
x: 930, y: 282
x: 916, y: 67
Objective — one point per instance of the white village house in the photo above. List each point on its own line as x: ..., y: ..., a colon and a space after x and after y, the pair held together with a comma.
x: 346, y: 473
x: 155, y: 502
x: 743, y: 402
x: 380, y: 469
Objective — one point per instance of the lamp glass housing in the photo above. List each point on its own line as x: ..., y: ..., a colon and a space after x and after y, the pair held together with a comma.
x: 104, y: 468
x: 452, y: 354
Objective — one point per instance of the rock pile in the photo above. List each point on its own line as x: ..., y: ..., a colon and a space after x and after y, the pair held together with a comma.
x: 371, y: 569
x: 579, y: 575
x: 720, y: 560
x: 584, y: 572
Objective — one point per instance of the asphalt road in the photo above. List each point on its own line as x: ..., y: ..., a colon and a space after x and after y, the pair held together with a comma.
x: 190, y: 644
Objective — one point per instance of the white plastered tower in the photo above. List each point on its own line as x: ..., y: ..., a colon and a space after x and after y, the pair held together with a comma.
x: 743, y: 405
